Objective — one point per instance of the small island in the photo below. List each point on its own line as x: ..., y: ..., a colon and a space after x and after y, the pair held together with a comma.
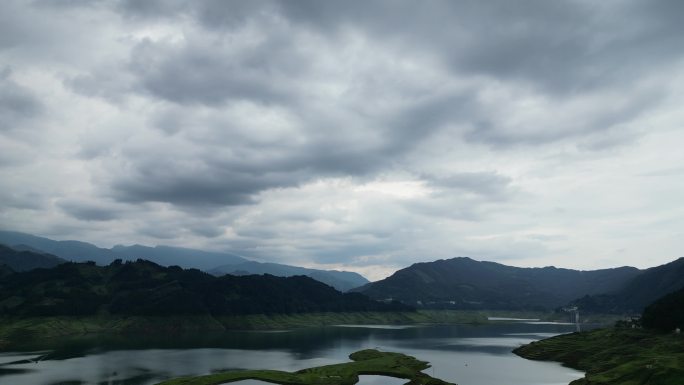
x: 368, y: 362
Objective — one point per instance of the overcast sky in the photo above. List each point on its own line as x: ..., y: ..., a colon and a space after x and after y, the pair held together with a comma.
x: 358, y: 135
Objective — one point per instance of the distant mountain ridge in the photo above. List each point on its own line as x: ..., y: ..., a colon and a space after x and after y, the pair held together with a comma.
x: 464, y: 283
x: 218, y: 262
x: 78, y: 251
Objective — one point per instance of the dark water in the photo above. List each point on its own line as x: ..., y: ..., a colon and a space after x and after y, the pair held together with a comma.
x: 463, y: 354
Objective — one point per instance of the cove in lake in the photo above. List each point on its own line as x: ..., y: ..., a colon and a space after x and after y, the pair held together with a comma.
x: 463, y: 354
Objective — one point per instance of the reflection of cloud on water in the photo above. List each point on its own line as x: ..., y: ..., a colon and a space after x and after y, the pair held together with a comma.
x: 123, y: 366
x: 532, y: 336
x: 494, y: 345
x: 548, y: 323
x: 380, y: 380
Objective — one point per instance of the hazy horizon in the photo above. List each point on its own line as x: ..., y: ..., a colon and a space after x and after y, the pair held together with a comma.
x: 377, y: 277
x: 361, y: 136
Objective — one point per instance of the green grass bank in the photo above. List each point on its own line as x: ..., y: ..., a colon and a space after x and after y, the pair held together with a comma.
x: 615, y: 356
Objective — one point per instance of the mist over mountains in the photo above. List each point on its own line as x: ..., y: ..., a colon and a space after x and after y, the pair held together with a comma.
x: 217, y: 263
x: 458, y: 283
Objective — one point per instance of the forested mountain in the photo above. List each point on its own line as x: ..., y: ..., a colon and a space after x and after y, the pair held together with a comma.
x: 340, y: 280
x: 77, y: 251
x: 638, y: 292
x: 464, y: 283
x: 145, y: 288
x: 666, y: 313
x: 23, y: 260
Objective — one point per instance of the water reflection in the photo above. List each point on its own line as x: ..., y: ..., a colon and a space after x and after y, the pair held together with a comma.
x: 463, y: 354
x: 380, y: 380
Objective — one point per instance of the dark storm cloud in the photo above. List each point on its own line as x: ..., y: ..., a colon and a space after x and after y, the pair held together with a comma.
x: 557, y: 48
x: 223, y: 176
x: 207, y: 74
x: 196, y: 188
x: 560, y: 46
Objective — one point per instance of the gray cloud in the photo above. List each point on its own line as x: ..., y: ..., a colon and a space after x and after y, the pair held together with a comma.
x: 211, y: 74
x: 488, y: 185
x: 88, y: 211
x: 17, y: 104
x: 361, y: 134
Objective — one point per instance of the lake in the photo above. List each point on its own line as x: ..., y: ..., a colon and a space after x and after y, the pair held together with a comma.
x: 462, y: 354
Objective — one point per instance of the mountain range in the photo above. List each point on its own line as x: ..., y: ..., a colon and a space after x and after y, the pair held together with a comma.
x: 638, y: 292
x: 146, y: 288
x: 458, y: 283
x: 464, y: 283
x: 216, y: 262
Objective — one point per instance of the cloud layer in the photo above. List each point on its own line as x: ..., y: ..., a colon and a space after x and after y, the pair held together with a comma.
x: 356, y: 135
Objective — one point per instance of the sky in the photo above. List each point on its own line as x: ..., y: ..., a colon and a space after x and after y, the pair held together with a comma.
x: 355, y: 135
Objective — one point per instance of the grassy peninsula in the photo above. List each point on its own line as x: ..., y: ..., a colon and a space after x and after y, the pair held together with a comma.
x: 615, y: 356
x: 369, y: 361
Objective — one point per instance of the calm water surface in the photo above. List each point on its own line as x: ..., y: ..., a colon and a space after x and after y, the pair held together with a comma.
x: 462, y: 354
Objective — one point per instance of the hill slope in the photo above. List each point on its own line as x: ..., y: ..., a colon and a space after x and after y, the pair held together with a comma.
x: 145, y: 288
x: 340, y: 280
x: 464, y: 283
x: 637, y: 293
x: 19, y: 260
x: 666, y: 313
x: 77, y: 251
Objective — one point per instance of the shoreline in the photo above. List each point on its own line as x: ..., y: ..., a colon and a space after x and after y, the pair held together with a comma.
x: 14, y: 330
x: 614, y: 356
x: 363, y: 362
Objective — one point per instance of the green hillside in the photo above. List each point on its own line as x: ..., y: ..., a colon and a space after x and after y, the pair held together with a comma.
x: 24, y: 260
x: 340, y: 280
x: 666, y: 314
x: 638, y: 292
x: 463, y: 283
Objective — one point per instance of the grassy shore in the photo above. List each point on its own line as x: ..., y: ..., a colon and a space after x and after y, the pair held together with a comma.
x: 368, y: 361
x: 615, y: 356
